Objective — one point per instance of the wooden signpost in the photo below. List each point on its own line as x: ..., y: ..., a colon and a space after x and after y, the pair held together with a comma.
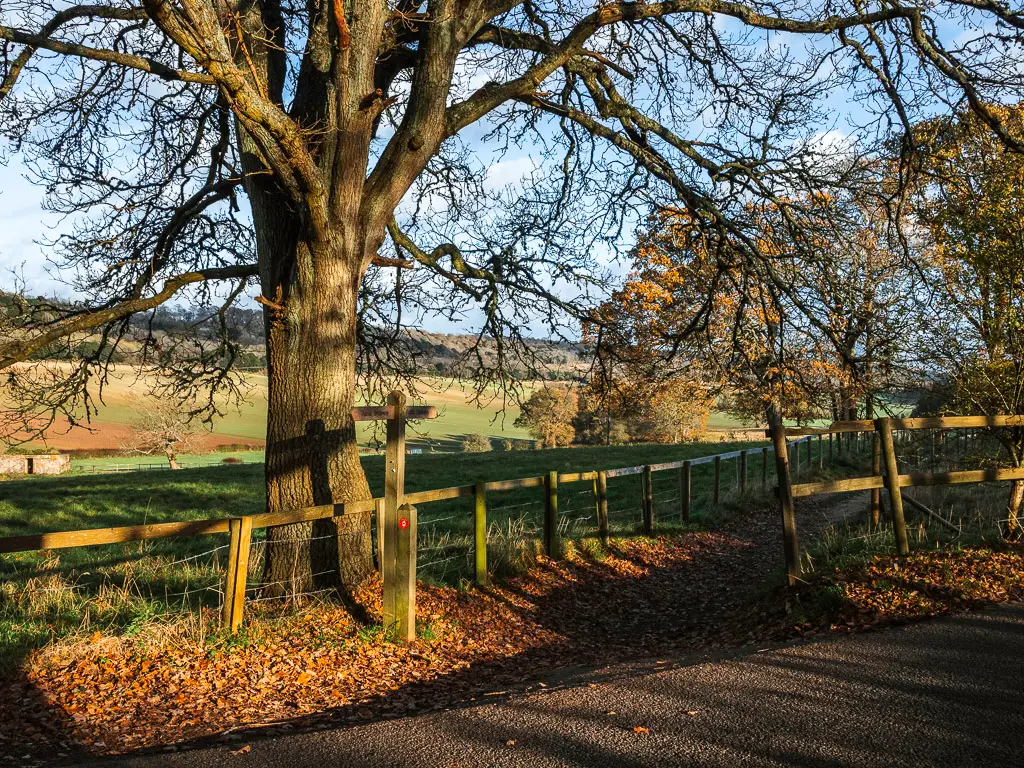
x: 396, y: 528
x: 790, y: 545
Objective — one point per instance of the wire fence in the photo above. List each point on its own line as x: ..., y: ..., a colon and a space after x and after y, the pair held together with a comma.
x: 109, y: 468
x: 121, y: 586
x: 118, y: 585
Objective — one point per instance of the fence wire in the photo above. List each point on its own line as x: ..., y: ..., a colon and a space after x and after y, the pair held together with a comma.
x: 111, y: 586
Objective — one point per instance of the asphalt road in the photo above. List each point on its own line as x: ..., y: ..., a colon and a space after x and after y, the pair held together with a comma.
x: 941, y: 693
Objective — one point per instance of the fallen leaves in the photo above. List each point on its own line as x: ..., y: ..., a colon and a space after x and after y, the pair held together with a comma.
x: 887, y: 590
x: 319, y: 660
x: 319, y: 668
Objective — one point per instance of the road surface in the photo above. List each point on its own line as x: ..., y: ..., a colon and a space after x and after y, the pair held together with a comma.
x: 940, y: 693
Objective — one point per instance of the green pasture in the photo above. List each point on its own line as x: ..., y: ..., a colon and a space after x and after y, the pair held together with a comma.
x: 121, y: 587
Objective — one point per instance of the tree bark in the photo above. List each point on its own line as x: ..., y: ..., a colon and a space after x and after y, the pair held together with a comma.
x: 311, y: 455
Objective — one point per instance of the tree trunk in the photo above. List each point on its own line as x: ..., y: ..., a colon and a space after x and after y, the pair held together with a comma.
x: 311, y: 455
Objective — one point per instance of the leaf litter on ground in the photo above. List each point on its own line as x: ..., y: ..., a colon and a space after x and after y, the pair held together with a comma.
x: 320, y: 668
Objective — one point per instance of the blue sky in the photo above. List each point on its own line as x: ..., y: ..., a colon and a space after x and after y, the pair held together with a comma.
x: 23, y: 222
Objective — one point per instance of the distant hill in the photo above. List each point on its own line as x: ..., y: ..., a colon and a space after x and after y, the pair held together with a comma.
x: 433, y: 353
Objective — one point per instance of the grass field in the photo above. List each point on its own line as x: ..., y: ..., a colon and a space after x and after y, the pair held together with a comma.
x: 120, y: 587
x: 246, y: 424
x: 457, y: 416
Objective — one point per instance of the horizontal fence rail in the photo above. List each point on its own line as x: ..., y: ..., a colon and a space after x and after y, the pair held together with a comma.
x: 922, y: 422
x: 885, y: 472
x: 576, y: 511
x: 912, y: 480
x: 122, y: 534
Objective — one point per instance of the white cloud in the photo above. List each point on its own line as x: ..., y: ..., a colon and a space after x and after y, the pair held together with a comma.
x: 505, y: 173
x: 23, y: 223
x: 831, y: 143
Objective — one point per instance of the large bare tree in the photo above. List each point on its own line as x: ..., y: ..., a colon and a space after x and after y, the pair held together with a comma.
x: 314, y: 146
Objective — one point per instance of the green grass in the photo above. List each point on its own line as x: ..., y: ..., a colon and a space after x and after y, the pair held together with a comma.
x: 978, y: 510
x: 40, y: 504
x: 186, y: 460
x: 127, y: 587
x: 457, y: 416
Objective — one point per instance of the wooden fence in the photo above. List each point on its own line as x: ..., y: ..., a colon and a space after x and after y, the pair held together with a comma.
x: 241, y: 529
x: 885, y: 466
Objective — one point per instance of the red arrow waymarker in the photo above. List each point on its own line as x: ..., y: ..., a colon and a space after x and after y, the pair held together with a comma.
x: 403, y: 523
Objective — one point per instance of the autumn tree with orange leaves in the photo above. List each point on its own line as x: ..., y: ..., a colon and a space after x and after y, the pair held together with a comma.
x: 693, y: 309
x: 969, y: 201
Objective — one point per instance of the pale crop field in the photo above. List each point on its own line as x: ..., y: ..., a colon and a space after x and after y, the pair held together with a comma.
x: 245, y: 422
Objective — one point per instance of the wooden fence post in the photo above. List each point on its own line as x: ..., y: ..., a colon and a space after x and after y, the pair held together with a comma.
x: 601, y: 486
x: 480, y: 533
x: 394, y: 490
x: 790, y: 545
x: 717, y: 493
x: 810, y: 454
x: 831, y: 450
x: 821, y: 454
x: 743, y: 472
x: 238, y: 571
x: 551, y: 515
x: 876, y: 470
x: 405, y: 574
x: 684, y: 490
x: 648, y: 500
x: 796, y: 457
x: 883, y: 428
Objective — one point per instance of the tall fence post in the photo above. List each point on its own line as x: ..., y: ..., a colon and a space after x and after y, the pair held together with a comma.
x: 796, y: 457
x: 684, y: 489
x: 240, y: 529
x: 883, y: 427
x: 601, y: 488
x: 831, y: 449
x: 810, y: 454
x: 743, y: 472
x: 405, y: 574
x: 551, y: 515
x: 821, y: 454
x: 480, y: 532
x: 717, y: 493
x: 648, y: 500
x: 790, y: 545
x: 394, y: 490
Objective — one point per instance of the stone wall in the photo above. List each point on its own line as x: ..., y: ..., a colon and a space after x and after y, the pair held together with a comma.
x: 54, y: 464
